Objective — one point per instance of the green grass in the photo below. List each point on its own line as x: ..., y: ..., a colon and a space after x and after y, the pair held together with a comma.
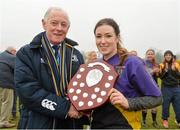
x: 172, y: 124
x: 171, y: 120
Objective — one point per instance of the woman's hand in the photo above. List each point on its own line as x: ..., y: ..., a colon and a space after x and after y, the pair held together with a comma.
x: 156, y: 70
x: 117, y: 98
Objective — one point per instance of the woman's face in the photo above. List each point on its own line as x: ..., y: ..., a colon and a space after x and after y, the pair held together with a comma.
x: 106, y: 41
x: 168, y: 57
x: 150, y: 55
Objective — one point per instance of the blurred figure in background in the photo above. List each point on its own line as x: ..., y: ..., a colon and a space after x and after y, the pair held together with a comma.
x: 153, y: 69
x: 170, y: 75
x: 14, y: 109
x: 7, y: 63
x: 91, y: 56
x: 174, y: 58
x: 133, y: 52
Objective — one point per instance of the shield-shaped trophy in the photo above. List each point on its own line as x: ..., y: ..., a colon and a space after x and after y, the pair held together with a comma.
x: 89, y: 87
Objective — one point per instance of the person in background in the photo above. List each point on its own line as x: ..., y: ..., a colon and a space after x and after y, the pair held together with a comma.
x: 153, y: 69
x: 91, y: 56
x: 42, y: 72
x: 14, y: 109
x: 170, y: 87
x: 134, y: 89
x: 174, y: 58
x: 133, y: 52
x: 7, y: 63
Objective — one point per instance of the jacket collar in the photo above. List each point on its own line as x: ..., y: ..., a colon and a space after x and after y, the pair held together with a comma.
x: 36, y: 42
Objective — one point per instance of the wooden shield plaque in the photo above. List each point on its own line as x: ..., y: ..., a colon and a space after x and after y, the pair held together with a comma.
x: 89, y: 87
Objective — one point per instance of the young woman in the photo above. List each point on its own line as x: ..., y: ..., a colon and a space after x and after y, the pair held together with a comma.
x: 153, y: 69
x: 134, y: 90
x: 170, y: 75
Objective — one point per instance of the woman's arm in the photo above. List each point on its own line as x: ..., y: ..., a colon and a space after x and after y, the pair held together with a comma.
x: 134, y: 104
x: 146, y: 102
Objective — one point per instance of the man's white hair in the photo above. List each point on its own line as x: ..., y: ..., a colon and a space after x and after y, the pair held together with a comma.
x: 55, y: 8
x: 11, y: 50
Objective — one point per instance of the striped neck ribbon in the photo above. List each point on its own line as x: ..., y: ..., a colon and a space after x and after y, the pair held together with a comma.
x: 57, y: 65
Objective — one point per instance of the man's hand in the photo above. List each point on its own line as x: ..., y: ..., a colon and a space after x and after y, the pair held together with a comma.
x: 73, y: 113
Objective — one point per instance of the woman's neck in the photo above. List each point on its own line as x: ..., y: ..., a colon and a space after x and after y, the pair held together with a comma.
x: 107, y: 57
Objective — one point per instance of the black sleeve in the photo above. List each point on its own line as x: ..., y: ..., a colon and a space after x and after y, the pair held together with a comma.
x: 176, y: 74
x: 146, y: 102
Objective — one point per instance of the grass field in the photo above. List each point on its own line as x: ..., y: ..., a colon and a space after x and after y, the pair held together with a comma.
x: 172, y: 124
x: 171, y: 120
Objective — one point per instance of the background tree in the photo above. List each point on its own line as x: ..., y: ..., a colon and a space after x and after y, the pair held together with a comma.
x: 159, y: 56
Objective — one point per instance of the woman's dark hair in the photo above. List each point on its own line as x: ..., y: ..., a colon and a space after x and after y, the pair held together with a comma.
x: 110, y: 22
x: 171, y: 53
x: 122, y: 52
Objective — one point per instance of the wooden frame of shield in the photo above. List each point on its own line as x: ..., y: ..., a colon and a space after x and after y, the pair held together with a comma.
x: 89, y: 87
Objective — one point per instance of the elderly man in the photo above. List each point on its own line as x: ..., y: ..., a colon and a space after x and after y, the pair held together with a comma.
x: 7, y: 63
x: 43, y: 69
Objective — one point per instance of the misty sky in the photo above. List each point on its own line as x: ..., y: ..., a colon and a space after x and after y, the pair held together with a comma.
x: 143, y: 23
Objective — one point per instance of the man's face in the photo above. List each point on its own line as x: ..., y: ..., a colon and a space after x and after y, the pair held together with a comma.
x: 13, y: 52
x: 56, y: 26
